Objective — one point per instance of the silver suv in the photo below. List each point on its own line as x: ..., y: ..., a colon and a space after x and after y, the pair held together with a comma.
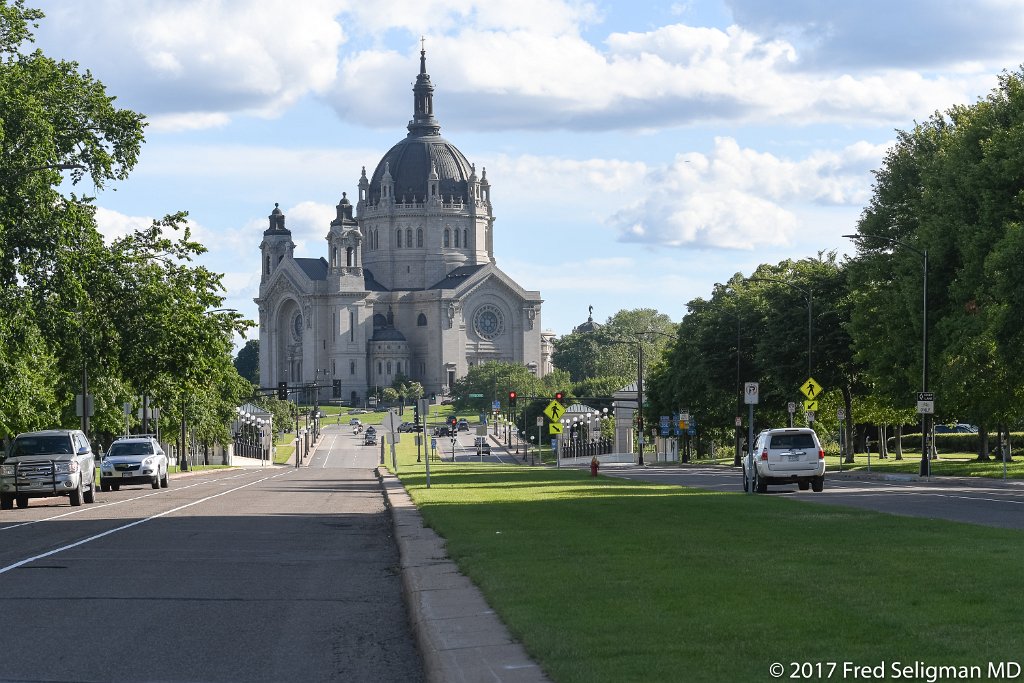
x: 56, y: 462
x: 137, y: 459
x: 786, y: 456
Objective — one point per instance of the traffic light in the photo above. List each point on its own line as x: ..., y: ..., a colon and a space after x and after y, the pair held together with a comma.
x: 512, y: 399
x: 559, y: 395
x: 282, y: 391
x: 453, y: 421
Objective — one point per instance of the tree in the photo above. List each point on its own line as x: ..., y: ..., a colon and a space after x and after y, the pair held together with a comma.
x: 247, y: 362
x: 586, y: 355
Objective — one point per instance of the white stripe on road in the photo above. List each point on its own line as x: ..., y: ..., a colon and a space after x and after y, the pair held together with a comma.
x: 99, y: 506
x: 131, y: 524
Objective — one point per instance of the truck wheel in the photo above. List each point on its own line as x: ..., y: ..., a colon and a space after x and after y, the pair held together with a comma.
x: 163, y: 480
x: 156, y: 481
x: 90, y: 493
x: 818, y: 484
x: 746, y: 484
x: 760, y: 484
x: 6, y: 502
x: 804, y: 485
x: 76, y: 495
x: 104, y: 486
x: 22, y: 501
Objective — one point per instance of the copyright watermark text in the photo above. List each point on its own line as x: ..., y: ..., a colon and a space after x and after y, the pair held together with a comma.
x: 897, y: 671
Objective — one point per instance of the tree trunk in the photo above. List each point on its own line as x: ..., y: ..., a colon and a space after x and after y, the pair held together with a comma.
x: 983, y: 444
x: 883, y: 445
x: 848, y: 402
x: 899, y: 442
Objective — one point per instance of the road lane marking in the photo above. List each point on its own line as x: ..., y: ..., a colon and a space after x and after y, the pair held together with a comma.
x: 99, y: 506
x: 137, y: 522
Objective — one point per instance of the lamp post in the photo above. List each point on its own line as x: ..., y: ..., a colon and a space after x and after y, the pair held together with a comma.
x: 925, y: 421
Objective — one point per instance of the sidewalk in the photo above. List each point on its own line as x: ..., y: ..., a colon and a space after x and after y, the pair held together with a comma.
x: 460, y: 637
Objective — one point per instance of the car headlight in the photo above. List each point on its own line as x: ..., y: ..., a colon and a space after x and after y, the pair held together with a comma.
x: 69, y: 467
x: 8, y: 470
x: 148, y: 461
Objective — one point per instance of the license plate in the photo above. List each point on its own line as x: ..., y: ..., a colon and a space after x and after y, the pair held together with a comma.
x: 127, y: 474
x: 793, y: 458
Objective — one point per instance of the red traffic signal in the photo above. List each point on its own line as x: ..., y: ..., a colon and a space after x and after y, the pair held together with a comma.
x: 453, y: 420
x: 559, y: 395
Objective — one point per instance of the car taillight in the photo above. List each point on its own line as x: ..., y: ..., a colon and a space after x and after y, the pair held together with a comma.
x: 764, y: 454
x: 821, y: 454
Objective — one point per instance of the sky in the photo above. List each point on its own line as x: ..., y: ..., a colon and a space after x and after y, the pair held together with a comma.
x: 638, y: 153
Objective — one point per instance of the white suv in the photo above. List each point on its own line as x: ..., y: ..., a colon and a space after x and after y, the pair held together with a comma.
x: 137, y: 459
x: 56, y: 462
x: 786, y: 456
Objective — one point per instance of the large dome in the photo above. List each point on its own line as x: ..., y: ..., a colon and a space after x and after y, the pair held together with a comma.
x: 412, y: 160
x: 410, y: 163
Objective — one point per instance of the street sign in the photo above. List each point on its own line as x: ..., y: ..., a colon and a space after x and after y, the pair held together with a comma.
x: 554, y: 411
x: 555, y: 428
x: 926, y: 396
x: 926, y: 407
x: 811, y: 406
x: 476, y: 395
x: 810, y: 388
x: 540, y: 421
x: 791, y: 407
x: 809, y: 416
x: 692, y: 431
x: 496, y: 405
x: 840, y: 414
x: 739, y: 421
x: 750, y: 390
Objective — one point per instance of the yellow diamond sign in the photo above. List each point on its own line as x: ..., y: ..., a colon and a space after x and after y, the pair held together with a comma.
x: 555, y: 428
x: 554, y: 411
x: 810, y: 389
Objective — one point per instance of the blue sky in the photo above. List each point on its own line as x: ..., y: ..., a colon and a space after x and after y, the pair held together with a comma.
x: 637, y: 152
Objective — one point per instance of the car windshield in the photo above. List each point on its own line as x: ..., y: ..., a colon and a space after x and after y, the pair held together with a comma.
x: 56, y: 444
x: 131, y: 448
x: 792, y: 441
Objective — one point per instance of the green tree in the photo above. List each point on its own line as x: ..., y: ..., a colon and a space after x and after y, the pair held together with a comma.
x: 247, y: 362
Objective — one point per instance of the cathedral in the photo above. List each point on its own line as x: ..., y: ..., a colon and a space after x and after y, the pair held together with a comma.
x: 409, y: 288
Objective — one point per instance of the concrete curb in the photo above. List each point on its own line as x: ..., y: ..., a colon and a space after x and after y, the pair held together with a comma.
x: 460, y: 637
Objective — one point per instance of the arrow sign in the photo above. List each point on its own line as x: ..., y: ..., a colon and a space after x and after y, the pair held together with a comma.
x: 555, y: 428
x: 810, y: 406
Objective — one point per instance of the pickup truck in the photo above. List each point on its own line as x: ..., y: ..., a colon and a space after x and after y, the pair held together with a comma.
x: 55, y: 462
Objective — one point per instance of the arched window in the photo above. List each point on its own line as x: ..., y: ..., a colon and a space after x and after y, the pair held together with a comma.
x: 380, y: 368
x: 456, y: 238
x: 349, y: 257
x: 421, y: 320
x: 376, y: 239
x: 334, y: 257
x: 398, y: 239
x: 447, y: 237
x: 389, y: 367
x: 408, y: 237
x: 268, y: 265
x: 351, y: 367
x: 419, y: 237
x: 465, y: 238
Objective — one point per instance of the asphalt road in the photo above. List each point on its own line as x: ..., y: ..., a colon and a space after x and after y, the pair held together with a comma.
x: 271, y: 574
x: 986, y: 502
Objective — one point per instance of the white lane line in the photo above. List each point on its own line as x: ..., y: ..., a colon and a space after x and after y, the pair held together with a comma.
x: 327, y: 453
x: 99, y: 506
x: 137, y: 522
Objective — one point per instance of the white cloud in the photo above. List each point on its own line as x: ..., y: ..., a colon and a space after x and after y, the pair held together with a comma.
x: 193, y: 56
x: 740, y: 198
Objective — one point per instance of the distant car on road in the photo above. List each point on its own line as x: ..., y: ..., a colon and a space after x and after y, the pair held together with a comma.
x: 462, y: 425
x: 354, y: 421
x: 786, y: 456
x: 370, y: 439
x: 482, y: 445
x: 134, y: 460
x: 443, y: 430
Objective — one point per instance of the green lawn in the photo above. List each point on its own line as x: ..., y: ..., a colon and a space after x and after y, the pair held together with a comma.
x: 949, y: 465
x: 608, y: 580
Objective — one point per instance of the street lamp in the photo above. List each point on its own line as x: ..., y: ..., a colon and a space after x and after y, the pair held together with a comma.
x: 923, y: 253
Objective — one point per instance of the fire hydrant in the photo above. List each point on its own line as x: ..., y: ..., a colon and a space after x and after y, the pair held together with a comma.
x: 594, y: 466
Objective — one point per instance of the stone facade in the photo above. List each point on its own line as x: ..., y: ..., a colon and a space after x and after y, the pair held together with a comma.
x: 409, y: 287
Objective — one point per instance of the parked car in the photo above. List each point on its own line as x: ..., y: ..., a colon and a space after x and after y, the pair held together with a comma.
x: 482, y: 445
x: 358, y: 411
x: 354, y: 421
x: 959, y: 428
x: 55, y: 462
x: 370, y: 439
x: 135, y: 459
x: 786, y: 456
x: 405, y: 427
x: 462, y: 425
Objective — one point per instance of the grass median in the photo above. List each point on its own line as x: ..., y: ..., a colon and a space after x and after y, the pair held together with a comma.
x: 609, y: 580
